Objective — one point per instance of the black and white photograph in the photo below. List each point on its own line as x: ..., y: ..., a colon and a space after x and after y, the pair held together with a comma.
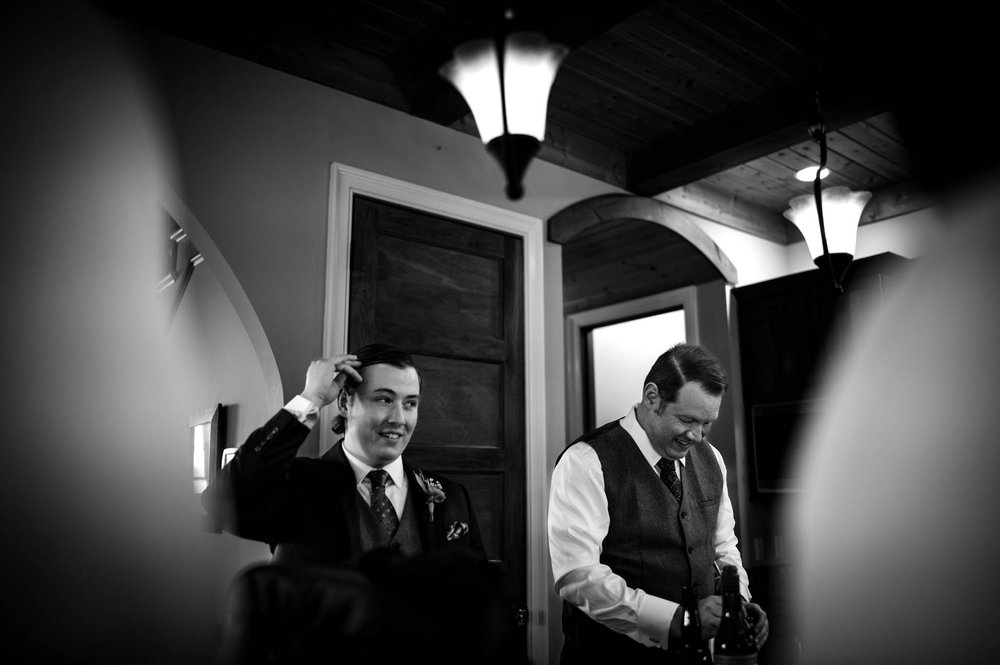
x: 506, y: 333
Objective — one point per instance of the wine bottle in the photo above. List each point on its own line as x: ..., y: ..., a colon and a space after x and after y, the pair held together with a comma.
x: 694, y: 649
x: 735, y: 641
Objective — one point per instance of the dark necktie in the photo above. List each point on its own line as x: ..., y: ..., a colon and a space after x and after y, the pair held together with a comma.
x: 385, y: 515
x: 669, y: 478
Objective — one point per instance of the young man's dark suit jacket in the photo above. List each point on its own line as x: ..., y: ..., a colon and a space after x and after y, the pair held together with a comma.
x: 306, y: 508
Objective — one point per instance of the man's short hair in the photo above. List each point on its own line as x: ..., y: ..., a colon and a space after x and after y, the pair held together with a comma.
x: 682, y: 363
x: 378, y: 353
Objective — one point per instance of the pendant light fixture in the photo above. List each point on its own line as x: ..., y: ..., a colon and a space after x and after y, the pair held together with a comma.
x: 828, y: 218
x: 506, y: 82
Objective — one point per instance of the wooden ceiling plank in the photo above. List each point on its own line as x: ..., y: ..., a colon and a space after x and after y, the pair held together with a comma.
x: 774, y: 173
x: 886, y: 124
x: 669, y: 75
x: 652, y: 112
x: 579, y: 153
x: 564, y: 147
x: 886, y: 147
x: 596, y: 130
x: 765, y: 198
x: 728, y: 210
x: 733, y: 85
x: 723, y: 26
x: 630, y: 81
x: 753, y: 130
x: 758, y: 182
x: 894, y: 200
x: 336, y: 65
x: 786, y: 22
x: 717, y: 83
x: 556, y: 20
x: 701, y: 43
x: 619, y: 117
x: 844, y: 145
x: 796, y: 161
x: 838, y: 164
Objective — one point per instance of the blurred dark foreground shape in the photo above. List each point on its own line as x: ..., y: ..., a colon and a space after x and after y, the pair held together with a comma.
x: 896, y: 540
x: 441, y: 607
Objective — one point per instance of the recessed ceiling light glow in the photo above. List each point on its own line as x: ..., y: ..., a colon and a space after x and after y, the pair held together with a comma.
x: 808, y: 174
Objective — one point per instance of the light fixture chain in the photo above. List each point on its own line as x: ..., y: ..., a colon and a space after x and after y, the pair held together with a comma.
x: 818, y: 132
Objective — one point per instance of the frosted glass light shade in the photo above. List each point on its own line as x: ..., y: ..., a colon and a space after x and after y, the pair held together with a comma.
x: 841, y: 214
x: 530, y: 65
x: 475, y: 71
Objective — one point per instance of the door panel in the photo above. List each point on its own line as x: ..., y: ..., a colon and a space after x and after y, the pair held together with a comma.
x: 451, y: 386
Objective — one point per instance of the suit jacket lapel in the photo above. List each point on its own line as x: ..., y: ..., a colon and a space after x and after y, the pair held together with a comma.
x: 345, y: 486
x: 416, y: 499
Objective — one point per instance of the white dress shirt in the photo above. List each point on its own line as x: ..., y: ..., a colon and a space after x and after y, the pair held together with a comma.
x: 578, y: 522
x: 395, y: 488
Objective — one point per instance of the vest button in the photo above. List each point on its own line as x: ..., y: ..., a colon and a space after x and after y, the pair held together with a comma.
x: 690, y: 550
x: 684, y: 515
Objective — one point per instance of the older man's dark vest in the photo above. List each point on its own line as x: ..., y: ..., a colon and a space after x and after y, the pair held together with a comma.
x: 655, y: 543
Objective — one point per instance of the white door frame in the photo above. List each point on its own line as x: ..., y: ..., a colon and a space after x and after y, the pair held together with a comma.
x: 631, y: 309
x: 345, y: 182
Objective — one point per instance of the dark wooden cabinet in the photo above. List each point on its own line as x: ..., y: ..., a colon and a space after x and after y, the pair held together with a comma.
x: 787, y: 327
x: 787, y: 330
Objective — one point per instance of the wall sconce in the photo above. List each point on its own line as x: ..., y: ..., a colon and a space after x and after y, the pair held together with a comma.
x: 831, y: 244
x: 506, y: 83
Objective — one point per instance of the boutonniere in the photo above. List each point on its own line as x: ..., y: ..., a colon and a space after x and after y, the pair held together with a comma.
x: 456, y: 530
x: 432, y: 490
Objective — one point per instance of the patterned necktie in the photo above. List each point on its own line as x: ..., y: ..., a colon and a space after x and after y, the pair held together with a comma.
x: 385, y: 515
x: 669, y: 478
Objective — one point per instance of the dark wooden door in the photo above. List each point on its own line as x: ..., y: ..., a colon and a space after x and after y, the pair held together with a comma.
x: 451, y: 293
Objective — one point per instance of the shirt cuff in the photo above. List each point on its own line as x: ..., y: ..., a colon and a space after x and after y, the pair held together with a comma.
x: 654, y: 617
x: 304, y: 409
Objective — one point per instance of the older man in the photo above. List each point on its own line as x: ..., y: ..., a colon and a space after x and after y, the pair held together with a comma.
x: 638, y: 510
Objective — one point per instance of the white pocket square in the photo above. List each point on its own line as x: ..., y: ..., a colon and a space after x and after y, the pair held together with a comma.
x: 457, y: 530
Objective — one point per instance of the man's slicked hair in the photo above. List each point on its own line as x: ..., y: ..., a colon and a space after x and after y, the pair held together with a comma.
x: 683, y: 363
x: 374, y: 354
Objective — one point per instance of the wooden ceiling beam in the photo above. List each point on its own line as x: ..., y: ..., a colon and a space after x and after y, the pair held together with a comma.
x: 895, y: 200
x: 769, y: 123
x: 728, y: 210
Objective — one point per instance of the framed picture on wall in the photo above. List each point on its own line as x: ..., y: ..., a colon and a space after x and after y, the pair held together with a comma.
x: 775, y: 430
x: 207, y: 440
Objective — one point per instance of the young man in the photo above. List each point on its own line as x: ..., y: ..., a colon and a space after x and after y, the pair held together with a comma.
x: 638, y: 509
x: 360, y: 495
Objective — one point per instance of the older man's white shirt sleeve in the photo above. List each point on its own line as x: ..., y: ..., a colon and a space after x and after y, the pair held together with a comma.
x: 726, y: 551
x: 578, y: 521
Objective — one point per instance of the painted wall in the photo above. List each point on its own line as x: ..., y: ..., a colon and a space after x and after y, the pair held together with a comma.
x: 255, y: 147
x: 218, y: 365
x: 221, y: 364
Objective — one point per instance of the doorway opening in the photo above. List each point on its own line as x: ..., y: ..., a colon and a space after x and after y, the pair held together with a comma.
x: 619, y: 356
